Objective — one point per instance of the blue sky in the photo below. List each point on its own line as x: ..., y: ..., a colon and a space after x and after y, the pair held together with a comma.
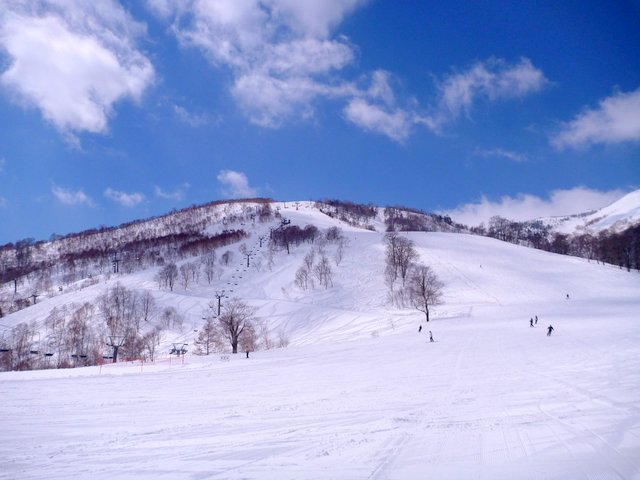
x: 117, y: 110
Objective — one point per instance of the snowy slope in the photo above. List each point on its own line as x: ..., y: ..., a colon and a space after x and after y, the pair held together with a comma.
x: 621, y: 214
x: 359, y: 394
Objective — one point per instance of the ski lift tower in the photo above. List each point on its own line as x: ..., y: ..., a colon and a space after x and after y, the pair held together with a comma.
x: 219, y: 295
x: 115, y: 342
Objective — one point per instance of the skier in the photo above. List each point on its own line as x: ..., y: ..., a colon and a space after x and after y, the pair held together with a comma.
x: 247, y: 353
x: 549, y: 330
x: 531, y: 322
x: 536, y: 322
x: 567, y: 296
x: 419, y: 328
x: 431, y: 336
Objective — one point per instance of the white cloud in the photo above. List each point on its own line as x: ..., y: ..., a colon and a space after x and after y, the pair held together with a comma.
x: 396, y: 124
x: 524, y: 206
x: 176, y: 195
x: 72, y: 59
x: 123, y: 198
x: 502, y: 153
x: 236, y: 184
x: 193, y: 119
x: 492, y: 79
x: 615, y: 120
x: 69, y: 197
x: 279, y: 52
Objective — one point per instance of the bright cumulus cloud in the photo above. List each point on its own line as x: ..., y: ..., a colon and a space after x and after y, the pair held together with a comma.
x: 490, y: 80
x: 525, y: 207
x: 280, y: 52
x: 72, y: 60
x: 615, y: 120
x: 235, y: 184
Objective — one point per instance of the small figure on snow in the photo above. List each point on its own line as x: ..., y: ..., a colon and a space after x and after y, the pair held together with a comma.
x: 247, y: 353
x: 536, y: 322
x: 531, y: 322
x: 567, y: 296
x: 431, y: 336
x: 549, y: 330
x: 419, y: 328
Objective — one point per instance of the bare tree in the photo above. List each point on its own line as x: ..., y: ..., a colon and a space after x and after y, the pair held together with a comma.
x: 226, y: 257
x: 342, y: 244
x: 185, y: 275
x: 303, y: 278
x: 323, y: 272
x: 151, y: 340
x: 425, y: 289
x: 147, y: 306
x: 235, y: 317
x: 264, y: 335
x: 400, y: 254
x: 209, y: 339
x: 167, y: 276
x: 171, y: 319
x: 309, y: 258
x: 209, y: 265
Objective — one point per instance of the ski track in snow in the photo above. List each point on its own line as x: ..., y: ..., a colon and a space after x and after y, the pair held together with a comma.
x: 359, y: 394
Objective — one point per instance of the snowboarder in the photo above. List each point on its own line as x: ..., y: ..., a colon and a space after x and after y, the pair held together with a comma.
x: 431, y: 336
x: 419, y: 328
x: 549, y: 330
x: 536, y: 322
x: 531, y: 322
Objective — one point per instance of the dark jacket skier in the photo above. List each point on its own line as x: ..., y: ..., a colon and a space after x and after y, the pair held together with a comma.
x: 531, y: 322
x: 430, y: 336
x: 549, y: 330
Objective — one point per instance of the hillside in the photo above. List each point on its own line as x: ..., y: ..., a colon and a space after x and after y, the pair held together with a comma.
x: 358, y: 392
x: 618, y: 216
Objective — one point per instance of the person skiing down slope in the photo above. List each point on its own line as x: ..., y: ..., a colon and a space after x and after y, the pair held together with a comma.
x: 419, y: 328
x: 549, y: 330
x: 531, y: 322
x: 431, y: 336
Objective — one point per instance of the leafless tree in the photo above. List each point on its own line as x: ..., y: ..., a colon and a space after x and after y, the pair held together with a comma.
x: 235, y: 317
x: 209, y: 265
x: 79, y: 332
x: 168, y: 275
x: 264, y: 336
x: 171, y: 319
x: 150, y: 341
x: 283, y: 338
x: 147, y: 306
x: 323, y: 272
x: 400, y: 254
x: 425, y: 289
x: 309, y: 258
x: 209, y: 339
x: 304, y: 279
x: 185, y: 275
x: 226, y: 257
x: 341, y: 244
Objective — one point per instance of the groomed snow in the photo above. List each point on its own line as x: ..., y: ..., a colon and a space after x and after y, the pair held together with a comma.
x: 360, y: 394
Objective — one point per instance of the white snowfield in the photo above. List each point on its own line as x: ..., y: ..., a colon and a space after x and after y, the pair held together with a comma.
x: 620, y: 215
x: 360, y: 393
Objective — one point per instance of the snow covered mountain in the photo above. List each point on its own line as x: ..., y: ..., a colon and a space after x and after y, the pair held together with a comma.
x: 618, y: 216
x: 358, y: 392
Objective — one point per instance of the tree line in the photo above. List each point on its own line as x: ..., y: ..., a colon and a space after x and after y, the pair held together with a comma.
x: 616, y: 248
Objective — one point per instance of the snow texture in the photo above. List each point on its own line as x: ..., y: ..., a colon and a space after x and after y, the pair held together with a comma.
x: 359, y: 393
